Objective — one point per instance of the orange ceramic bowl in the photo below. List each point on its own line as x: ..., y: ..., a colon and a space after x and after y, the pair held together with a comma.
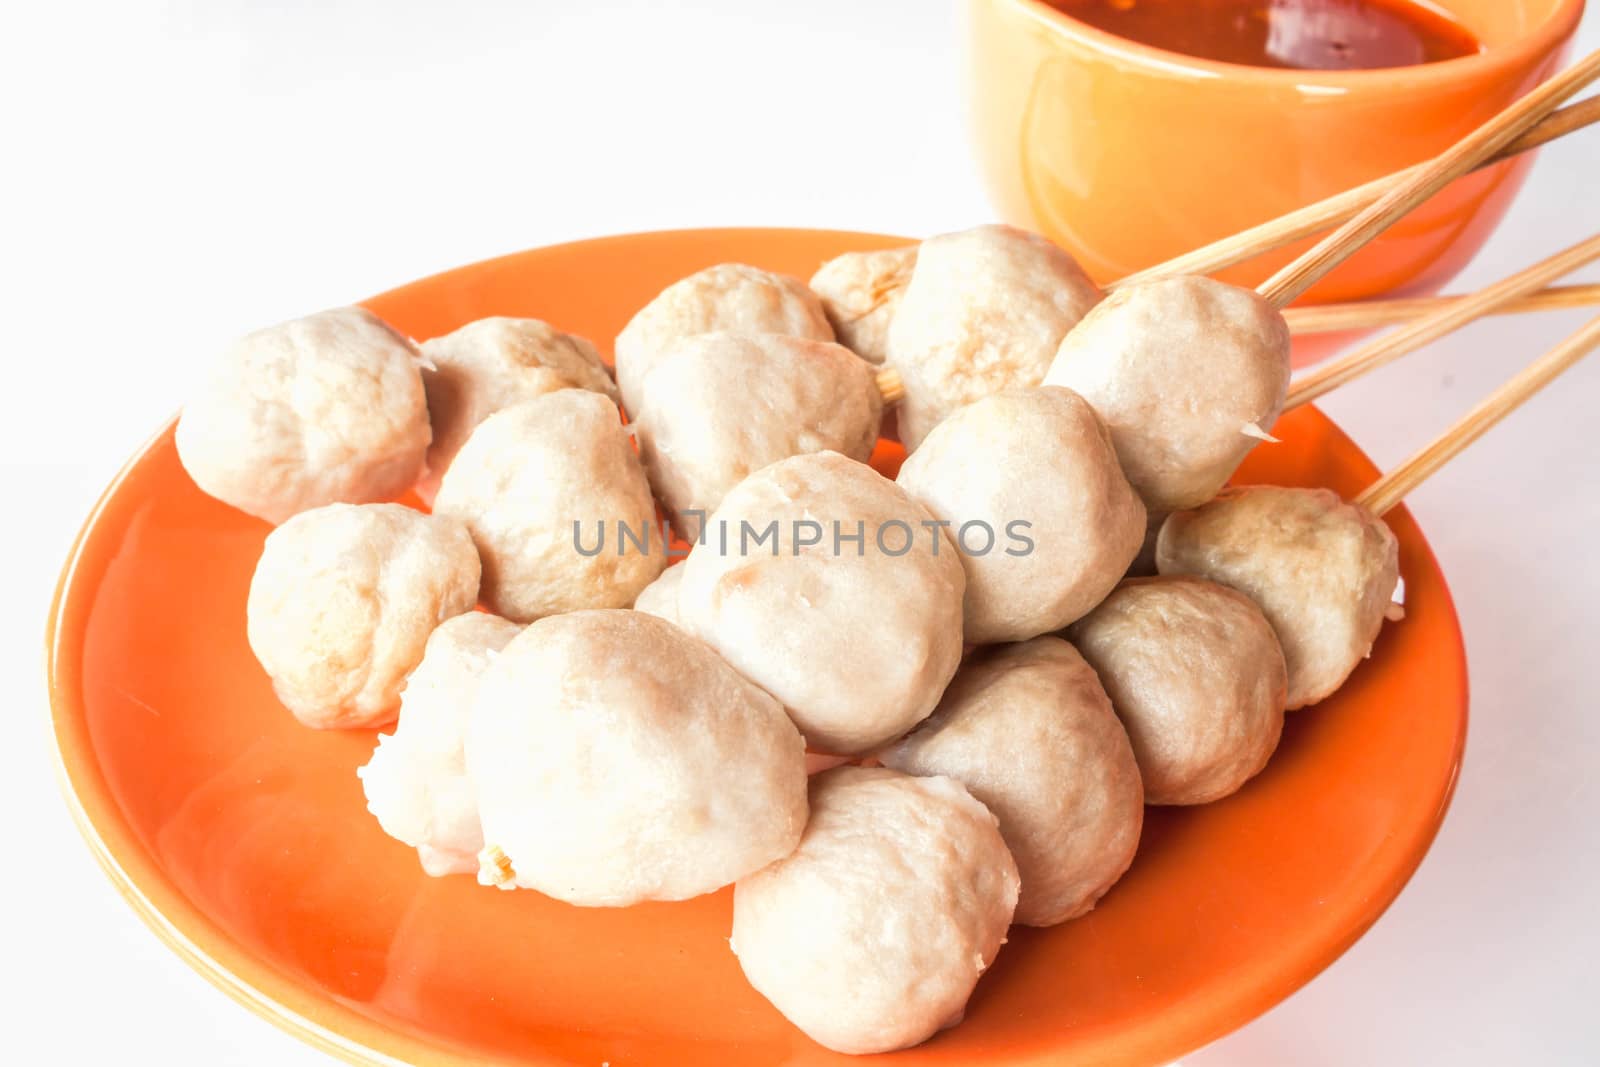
x: 1129, y: 155
x: 242, y: 837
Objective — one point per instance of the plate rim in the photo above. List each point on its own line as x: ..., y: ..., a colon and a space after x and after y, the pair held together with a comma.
x: 341, y: 1031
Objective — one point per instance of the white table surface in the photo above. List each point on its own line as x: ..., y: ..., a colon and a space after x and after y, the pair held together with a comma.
x: 176, y: 173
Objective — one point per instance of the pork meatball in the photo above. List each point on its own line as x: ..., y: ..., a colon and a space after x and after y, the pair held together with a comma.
x: 1188, y: 373
x: 343, y: 600
x: 872, y: 934
x: 730, y: 297
x: 1195, y: 673
x: 830, y: 587
x: 416, y: 782
x: 720, y: 405
x: 619, y: 759
x: 492, y: 364
x: 1028, y: 730
x: 860, y: 292
x: 985, y: 310
x: 1323, y: 571
x: 321, y: 410
x: 558, y: 506
x: 1047, y: 524
x: 660, y: 597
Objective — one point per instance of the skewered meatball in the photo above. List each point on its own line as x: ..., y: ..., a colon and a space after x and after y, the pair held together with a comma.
x: 849, y: 612
x: 1196, y: 675
x: 343, y: 600
x: 416, y: 782
x: 985, y: 310
x: 720, y: 405
x: 1322, y: 570
x: 1188, y: 373
x: 321, y: 410
x: 1030, y: 485
x: 558, y: 506
x: 861, y: 291
x: 1029, y: 731
x: 730, y: 297
x: 492, y: 364
x: 619, y: 759
x: 873, y: 933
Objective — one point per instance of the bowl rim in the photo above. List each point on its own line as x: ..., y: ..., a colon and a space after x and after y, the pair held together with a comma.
x: 352, y: 1037
x: 1496, y: 62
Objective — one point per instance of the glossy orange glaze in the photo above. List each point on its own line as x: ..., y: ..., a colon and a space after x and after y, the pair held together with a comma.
x: 1129, y: 156
x: 242, y: 837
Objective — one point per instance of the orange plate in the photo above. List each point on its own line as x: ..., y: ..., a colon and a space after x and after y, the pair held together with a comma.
x: 243, y: 839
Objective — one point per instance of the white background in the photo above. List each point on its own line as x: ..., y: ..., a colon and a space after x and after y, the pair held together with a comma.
x: 177, y: 173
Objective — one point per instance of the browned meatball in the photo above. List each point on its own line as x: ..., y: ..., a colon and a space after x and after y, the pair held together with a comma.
x: 1322, y: 570
x: 1196, y: 675
x: 1028, y: 729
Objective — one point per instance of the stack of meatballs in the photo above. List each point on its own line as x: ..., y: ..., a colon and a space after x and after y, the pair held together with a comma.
x: 897, y: 715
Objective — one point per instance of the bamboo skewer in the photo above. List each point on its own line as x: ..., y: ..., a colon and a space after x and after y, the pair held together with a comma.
x: 1371, y: 314
x: 1390, y: 489
x: 1483, y: 143
x: 1452, y: 315
x: 1341, y: 207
